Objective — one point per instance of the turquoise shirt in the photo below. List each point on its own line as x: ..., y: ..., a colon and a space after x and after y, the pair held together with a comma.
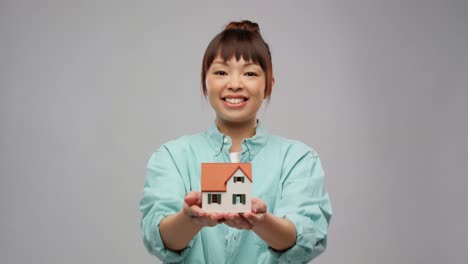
x: 287, y: 175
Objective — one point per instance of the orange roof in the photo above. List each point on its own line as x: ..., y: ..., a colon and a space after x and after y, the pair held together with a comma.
x: 215, y: 175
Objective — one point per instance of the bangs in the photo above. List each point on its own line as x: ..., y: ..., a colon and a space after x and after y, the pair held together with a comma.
x: 238, y: 43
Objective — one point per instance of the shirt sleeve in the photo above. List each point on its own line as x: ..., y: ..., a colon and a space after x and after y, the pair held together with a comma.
x: 305, y: 203
x: 163, y: 195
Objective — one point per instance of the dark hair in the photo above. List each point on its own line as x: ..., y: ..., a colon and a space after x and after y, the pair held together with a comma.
x: 240, y: 39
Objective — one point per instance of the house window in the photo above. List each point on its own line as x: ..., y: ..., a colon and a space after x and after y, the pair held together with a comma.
x: 238, y: 198
x: 238, y: 179
x: 214, y: 198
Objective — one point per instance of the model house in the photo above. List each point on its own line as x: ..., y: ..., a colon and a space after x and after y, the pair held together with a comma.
x: 226, y: 187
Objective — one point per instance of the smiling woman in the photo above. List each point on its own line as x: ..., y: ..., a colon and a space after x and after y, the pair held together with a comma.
x: 290, y: 216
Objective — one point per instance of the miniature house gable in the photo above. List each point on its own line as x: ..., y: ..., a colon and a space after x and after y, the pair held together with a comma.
x: 226, y: 187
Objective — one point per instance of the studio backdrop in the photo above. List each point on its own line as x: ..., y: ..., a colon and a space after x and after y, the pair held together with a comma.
x: 89, y: 89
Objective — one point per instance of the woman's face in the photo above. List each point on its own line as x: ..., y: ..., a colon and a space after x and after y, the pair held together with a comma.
x: 235, y: 89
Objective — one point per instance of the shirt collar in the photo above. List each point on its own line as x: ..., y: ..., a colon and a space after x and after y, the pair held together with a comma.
x: 251, y: 146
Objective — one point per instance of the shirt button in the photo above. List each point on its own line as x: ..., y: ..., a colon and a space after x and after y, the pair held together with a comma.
x: 252, y: 152
x: 225, y: 140
x: 226, y: 237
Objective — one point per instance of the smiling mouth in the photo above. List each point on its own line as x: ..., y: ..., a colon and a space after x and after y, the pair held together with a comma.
x: 235, y: 100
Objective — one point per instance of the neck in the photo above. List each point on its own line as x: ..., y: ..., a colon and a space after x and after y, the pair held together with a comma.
x: 237, y: 131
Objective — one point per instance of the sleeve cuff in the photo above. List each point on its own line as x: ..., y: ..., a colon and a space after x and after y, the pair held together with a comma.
x: 308, y: 243
x: 157, y: 247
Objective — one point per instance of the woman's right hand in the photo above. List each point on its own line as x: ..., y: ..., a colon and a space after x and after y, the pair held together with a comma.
x: 192, y: 209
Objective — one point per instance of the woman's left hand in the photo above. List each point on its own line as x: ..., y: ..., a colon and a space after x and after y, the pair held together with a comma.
x: 250, y: 219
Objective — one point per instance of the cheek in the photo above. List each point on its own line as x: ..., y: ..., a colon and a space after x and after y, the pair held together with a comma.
x: 211, y: 92
x: 259, y: 90
x: 209, y: 88
x: 212, y: 85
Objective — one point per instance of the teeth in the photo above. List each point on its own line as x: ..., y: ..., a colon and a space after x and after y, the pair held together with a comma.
x: 235, y: 100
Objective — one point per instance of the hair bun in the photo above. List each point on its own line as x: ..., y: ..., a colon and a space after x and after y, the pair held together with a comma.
x: 243, y: 25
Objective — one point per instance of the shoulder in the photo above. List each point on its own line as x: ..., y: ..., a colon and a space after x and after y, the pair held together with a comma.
x: 176, y: 151
x: 298, y: 160
x: 183, y: 143
x: 184, y: 140
x: 291, y: 147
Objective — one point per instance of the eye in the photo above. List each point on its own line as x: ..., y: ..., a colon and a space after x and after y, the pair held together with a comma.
x: 220, y: 73
x: 251, y: 74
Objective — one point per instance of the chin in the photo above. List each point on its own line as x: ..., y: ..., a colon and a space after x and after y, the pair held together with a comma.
x: 235, y: 119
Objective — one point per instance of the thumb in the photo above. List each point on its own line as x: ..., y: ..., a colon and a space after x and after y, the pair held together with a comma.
x: 258, y: 206
x: 193, y: 198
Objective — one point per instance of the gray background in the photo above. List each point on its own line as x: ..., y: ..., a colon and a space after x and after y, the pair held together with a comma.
x: 90, y: 88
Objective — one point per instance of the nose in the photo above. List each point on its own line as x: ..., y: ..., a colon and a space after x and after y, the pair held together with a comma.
x: 235, y: 83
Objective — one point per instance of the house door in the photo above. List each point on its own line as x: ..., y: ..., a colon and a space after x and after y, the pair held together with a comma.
x: 238, y: 198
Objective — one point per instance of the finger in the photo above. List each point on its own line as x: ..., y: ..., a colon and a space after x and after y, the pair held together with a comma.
x: 194, y: 210
x: 193, y: 197
x: 248, y: 218
x: 253, y: 219
x: 236, y: 221
x: 230, y: 223
x: 201, y: 221
x: 214, y: 216
x: 258, y: 206
x: 208, y: 222
x: 241, y: 222
x: 223, y: 215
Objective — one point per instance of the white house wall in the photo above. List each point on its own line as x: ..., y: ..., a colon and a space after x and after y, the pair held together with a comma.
x: 226, y: 197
